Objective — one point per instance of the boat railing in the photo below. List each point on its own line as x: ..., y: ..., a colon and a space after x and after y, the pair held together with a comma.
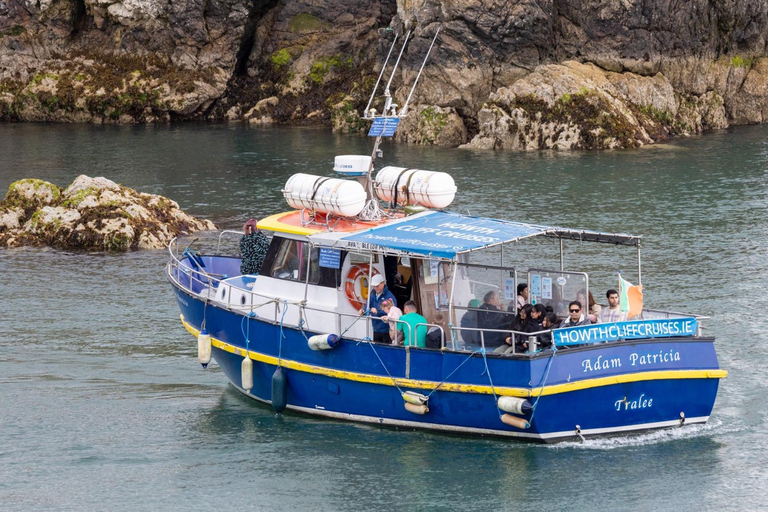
x: 508, y: 333
x: 221, y: 235
x: 202, y: 283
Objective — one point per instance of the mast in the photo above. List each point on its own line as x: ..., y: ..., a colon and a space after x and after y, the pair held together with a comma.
x: 385, y: 124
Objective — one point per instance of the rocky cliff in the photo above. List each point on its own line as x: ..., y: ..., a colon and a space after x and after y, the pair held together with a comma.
x: 521, y: 74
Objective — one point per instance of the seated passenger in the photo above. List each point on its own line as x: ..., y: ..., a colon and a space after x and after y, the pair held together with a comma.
x: 535, y: 317
x: 613, y: 312
x: 594, y: 309
x: 544, y: 340
x: 414, y: 336
x: 469, y: 320
x: 519, y: 324
x: 521, y: 300
x: 393, y: 313
x: 435, y: 335
x: 492, y: 317
x: 576, y: 317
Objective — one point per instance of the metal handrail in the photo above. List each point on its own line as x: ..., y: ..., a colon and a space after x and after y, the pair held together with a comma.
x: 221, y: 234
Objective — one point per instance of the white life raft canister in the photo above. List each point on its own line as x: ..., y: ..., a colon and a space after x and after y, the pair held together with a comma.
x: 326, y: 195
x: 410, y: 187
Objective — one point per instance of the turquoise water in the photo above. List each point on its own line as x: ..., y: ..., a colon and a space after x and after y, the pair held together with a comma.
x: 104, y: 406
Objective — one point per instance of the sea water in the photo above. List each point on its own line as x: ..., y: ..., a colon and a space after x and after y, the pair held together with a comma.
x: 103, y: 405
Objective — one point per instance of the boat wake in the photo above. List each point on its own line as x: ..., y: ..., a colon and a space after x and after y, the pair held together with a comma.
x: 713, y: 427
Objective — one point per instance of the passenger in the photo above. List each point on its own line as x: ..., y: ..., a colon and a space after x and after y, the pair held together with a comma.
x: 594, y: 309
x: 576, y: 317
x: 393, y: 313
x: 538, y: 312
x: 469, y: 320
x: 581, y: 297
x: 380, y: 293
x: 613, y: 312
x: 492, y: 317
x: 522, y: 295
x: 414, y: 336
x: 435, y: 335
x: 521, y: 300
x: 545, y: 339
x: 519, y: 324
x: 253, y: 248
x: 535, y: 317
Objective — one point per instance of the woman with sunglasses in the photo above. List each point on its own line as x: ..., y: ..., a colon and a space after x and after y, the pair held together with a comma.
x: 575, y: 316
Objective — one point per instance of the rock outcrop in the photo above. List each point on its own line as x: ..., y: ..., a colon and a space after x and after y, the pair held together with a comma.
x: 522, y: 74
x: 93, y: 214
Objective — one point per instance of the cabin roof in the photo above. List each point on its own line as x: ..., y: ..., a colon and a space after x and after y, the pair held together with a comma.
x: 441, y: 234
x: 292, y: 222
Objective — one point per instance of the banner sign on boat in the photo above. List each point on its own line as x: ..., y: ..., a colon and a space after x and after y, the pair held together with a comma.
x: 384, y: 126
x: 595, y: 333
x: 330, y: 258
x: 443, y: 234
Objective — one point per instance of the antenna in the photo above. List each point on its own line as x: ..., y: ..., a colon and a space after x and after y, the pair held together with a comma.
x: 387, y: 96
x: 404, y: 110
x: 385, y: 125
x: 373, y: 93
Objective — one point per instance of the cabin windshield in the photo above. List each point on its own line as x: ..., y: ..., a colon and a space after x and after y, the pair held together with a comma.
x: 295, y: 260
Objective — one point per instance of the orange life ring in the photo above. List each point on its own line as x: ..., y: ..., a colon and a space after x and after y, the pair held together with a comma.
x: 358, y: 273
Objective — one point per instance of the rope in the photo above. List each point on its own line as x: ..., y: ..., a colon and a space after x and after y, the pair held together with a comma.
x: 246, y: 335
x: 302, y: 308
x: 205, y: 309
x: 370, y: 344
x: 493, y: 389
x: 543, y: 382
x: 454, y: 371
x: 365, y: 313
x: 281, y: 336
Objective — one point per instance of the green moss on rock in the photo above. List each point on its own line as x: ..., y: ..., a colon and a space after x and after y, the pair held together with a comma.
x: 306, y: 22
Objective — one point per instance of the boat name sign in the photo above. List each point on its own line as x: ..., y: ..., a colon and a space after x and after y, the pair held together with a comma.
x: 635, y: 359
x: 595, y: 333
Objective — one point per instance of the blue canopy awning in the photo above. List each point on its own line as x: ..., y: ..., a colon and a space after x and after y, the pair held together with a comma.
x: 444, y: 234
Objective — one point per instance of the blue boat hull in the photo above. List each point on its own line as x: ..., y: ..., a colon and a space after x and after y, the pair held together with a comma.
x: 587, y: 391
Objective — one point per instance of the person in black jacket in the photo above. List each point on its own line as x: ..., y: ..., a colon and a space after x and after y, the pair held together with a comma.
x: 544, y: 340
x: 492, y: 316
x: 519, y: 324
x: 535, y: 317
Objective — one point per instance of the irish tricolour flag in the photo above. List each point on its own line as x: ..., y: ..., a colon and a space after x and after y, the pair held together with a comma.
x: 630, y: 298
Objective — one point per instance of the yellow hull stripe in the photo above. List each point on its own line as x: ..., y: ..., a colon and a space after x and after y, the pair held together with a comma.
x: 465, y: 388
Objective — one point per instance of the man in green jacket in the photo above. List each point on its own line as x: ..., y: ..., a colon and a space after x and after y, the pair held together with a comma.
x: 413, y: 336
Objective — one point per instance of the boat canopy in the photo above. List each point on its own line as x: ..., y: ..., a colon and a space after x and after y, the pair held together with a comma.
x: 440, y: 234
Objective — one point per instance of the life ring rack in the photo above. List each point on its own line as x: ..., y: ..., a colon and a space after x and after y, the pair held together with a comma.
x: 358, y: 273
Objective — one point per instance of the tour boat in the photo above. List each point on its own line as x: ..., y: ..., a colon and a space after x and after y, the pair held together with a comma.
x: 293, y: 336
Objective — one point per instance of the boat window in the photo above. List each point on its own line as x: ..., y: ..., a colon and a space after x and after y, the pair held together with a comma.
x: 474, y: 281
x: 433, y: 285
x: 362, y: 259
x: 556, y: 288
x: 292, y: 260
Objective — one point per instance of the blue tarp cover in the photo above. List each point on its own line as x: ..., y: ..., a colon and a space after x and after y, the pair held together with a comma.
x: 444, y: 234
